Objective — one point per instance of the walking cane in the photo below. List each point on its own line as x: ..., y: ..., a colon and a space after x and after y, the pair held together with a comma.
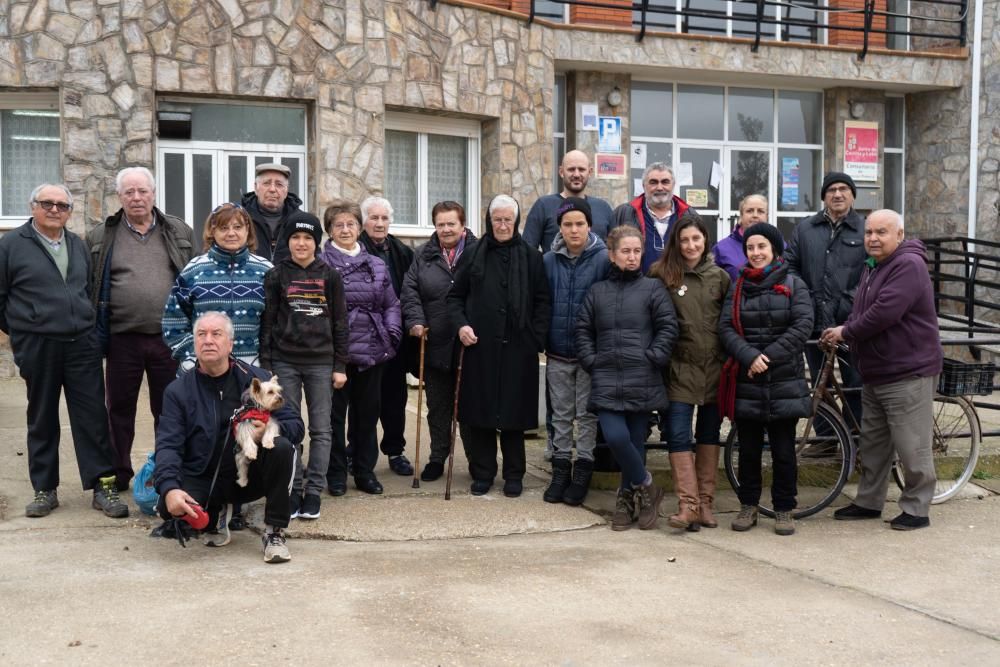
x: 420, y: 403
x: 454, y: 424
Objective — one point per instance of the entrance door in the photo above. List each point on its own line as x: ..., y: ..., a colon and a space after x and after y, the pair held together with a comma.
x: 699, y: 192
x: 747, y: 171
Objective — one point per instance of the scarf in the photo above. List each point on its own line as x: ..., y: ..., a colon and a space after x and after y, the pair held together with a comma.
x: 758, y: 275
x: 451, y: 255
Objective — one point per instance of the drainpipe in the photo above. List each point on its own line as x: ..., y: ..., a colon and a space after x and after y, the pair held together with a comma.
x: 977, y: 57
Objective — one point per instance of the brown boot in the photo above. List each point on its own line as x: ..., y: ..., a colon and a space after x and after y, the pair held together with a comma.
x: 686, y: 488
x: 648, y: 498
x: 706, y: 465
x: 624, y: 514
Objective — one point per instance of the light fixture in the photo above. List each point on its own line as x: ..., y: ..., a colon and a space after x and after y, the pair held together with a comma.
x: 615, y: 97
x: 857, y: 109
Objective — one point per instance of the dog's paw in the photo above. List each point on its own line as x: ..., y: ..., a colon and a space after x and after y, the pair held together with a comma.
x: 267, y: 442
x: 250, y: 451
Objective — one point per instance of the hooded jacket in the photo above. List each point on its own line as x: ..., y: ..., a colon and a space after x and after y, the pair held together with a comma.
x: 274, y: 247
x: 634, y: 213
x: 893, y: 327
x: 729, y: 253
x: 569, y: 281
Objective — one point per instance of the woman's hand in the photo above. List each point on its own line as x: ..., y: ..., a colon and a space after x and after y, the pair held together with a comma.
x: 467, y: 336
x: 758, y: 366
x: 417, y: 330
x: 339, y: 380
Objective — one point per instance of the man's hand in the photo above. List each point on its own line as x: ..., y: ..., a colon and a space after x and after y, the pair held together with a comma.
x: 258, y: 430
x: 179, y: 503
x: 831, y: 337
x: 339, y: 380
x: 467, y: 336
x: 758, y: 366
x: 417, y: 330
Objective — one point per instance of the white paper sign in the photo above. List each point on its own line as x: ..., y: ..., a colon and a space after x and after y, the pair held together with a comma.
x: 637, y: 187
x: 715, y: 180
x: 638, y: 153
x: 588, y: 117
x: 683, y: 174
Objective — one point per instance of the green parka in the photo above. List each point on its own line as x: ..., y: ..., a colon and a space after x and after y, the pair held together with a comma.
x: 693, y: 374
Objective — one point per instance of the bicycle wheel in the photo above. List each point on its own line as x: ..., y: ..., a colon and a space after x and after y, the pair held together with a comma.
x: 824, y: 460
x: 957, y: 434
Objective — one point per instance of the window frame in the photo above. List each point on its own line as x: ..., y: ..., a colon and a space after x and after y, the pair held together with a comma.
x: 34, y: 101
x: 901, y: 151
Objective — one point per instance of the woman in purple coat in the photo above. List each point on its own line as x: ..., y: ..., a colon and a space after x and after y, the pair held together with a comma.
x: 729, y: 251
x: 375, y: 329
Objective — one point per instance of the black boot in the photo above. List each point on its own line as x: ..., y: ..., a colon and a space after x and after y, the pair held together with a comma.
x: 561, y: 470
x: 577, y: 491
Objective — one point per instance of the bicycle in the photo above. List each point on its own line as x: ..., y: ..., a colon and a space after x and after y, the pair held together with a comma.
x: 826, y: 448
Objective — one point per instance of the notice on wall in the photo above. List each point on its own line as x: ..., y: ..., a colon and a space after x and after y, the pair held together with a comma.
x: 715, y: 179
x: 637, y: 155
x: 588, y: 117
x: 696, y: 198
x: 637, y: 188
x: 683, y: 174
x: 861, y: 150
x: 610, y: 165
x: 789, y: 182
x: 609, y: 134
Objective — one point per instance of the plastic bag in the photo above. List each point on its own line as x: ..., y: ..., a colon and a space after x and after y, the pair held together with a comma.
x: 143, y: 492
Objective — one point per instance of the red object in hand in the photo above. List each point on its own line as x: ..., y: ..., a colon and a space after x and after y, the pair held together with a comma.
x: 200, y: 520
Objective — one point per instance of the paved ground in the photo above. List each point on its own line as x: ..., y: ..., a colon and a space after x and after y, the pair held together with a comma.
x: 416, y: 580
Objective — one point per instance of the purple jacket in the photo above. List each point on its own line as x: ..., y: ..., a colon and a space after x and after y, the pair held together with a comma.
x: 373, y: 316
x: 893, y: 327
x: 729, y: 253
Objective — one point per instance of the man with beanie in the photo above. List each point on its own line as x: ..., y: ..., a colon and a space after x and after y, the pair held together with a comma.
x: 273, y: 210
x: 653, y: 212
x: 827, y: 251
x: 578, y: 259
x: 894, y: 310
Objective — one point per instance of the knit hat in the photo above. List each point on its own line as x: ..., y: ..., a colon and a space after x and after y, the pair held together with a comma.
x: 574, y: 204
x: 837, y: 177
x: 308, y: 225
x: 770, y: 233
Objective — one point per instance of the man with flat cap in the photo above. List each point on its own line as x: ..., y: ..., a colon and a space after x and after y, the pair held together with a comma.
x: 274, y: 211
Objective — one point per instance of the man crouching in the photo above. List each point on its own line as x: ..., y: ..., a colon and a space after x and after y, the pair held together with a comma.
x: 195, y: 457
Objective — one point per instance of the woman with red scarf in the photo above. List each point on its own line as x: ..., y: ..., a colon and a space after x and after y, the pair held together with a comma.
x: 765, y: 322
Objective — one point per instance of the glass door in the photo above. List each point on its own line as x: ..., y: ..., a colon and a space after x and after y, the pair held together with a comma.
x: 747, y: 171
x: 698, y: 171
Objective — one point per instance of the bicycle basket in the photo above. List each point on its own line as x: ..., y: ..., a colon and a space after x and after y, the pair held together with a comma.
x: 961, y: 379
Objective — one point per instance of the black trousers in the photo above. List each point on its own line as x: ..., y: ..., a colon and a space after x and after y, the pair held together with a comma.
x: 481, y: 450
x: 50, y: 367
x: 440, y: 389
x: 393, y: 412
x: 356, y: 405
x: 269, y: 477
x: 781, y: 438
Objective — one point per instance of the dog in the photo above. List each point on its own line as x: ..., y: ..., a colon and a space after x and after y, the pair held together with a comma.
x: 259, y: 400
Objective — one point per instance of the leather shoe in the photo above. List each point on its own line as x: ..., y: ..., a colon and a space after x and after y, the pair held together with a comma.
x: 432, y: 472
x: 480, y: 487
x: 337, y: 487
x: 401, y: 465
x: 512, y: 488
x: 368, y: 485
x: 855, y: 513
x: 909, y: 522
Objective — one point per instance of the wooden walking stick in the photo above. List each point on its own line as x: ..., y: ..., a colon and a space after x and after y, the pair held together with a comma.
x: 454, y: 424
x: 420, y: 403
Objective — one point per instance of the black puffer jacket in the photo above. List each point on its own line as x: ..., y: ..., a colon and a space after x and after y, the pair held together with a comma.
x: 624, y: 335
x: 425, y: 301
x: 275, y: 247
x: 776, y: 325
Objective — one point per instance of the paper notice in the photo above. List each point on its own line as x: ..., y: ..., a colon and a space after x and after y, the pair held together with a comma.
x: 638, y: 153
x: 684, y: 175
x: 637, y: 187
x: 715, y: 180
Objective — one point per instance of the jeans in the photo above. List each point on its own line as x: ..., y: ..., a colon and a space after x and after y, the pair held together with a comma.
x: 569, y: 389
x: 679, y: 434
x: 781, y: 437
x: 625, y: 434
x: 317, y: 381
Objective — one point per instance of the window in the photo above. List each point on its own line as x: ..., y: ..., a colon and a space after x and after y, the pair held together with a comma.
x: 895, y: 154
x: 552, y: 11
x: 728, y: 18
x: 29, y: 152
x: 558, y: 129
x: 430, y: 159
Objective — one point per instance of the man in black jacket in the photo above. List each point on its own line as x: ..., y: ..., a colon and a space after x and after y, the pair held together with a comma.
x: 274, y: 211
x: 376, y: 214
x: 195, y: 457
x: 45, y: 309
x: 828, y: 252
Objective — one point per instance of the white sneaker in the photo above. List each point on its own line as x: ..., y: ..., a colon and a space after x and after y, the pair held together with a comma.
x: 275, y: 549
x: 220, y: 537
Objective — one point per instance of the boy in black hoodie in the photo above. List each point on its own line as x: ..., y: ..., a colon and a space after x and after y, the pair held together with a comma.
x: 303, y: 340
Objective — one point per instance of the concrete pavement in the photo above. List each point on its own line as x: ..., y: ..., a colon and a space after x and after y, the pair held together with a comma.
x: 414, y: 580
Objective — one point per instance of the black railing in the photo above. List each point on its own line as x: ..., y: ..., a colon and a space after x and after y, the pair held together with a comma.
x: 917, y: 25
x: 966, y: 277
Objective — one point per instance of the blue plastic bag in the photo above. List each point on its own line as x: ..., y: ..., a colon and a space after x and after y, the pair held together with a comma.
x: 143, y: 492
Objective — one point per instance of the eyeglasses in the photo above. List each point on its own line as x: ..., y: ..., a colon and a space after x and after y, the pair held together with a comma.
x: 661, y: 181
x: 502, y: 222
x: 224, y: 206
x: 276, y: 184
x: 60, y: 206
x: 839, y: 189
x: 344, y: 225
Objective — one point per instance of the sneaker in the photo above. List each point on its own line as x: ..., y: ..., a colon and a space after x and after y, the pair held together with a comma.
x: 237, y: 523
x: 106, y: 499
x: 784, y: 524
x: 275, y: 549
x: 310, y: 507
x: 512, y: 488
x: 44, y: 502
x: 909, y: 522
x: 855, y: 513
x: 294, y: 505
x: 220, y: 535
x: 746, y: 519
x: 401, y: 465
x: 432, y: 472
x: 624, y: 515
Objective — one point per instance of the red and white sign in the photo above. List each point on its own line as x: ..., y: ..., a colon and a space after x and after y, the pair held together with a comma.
x: 861, y: 150
x: 610, y: 165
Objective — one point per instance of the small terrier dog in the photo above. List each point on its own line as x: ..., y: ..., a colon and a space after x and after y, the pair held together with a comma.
x: 259, y: 401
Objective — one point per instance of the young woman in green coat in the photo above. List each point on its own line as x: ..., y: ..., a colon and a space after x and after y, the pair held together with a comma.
x: 697, y: 288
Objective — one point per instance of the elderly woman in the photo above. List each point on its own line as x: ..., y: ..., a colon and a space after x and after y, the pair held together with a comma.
x: 375, y: 329
x: 376, y: 216
x: 729, y: 251
x: 765, y: 321
x: 425, y: 310
x: 500, y: 305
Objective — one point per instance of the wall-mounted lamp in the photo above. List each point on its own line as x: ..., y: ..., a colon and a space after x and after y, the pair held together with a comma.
x: 615, y: 97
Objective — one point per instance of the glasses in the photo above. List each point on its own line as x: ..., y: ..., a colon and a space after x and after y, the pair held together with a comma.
x: 277, y: 185
x: 502, y: 222
x: 344, y: 225
x: 235, y: 227
x: 224, y: 206
x: 841, y: 189
x: 61, y: 206
x: 661, y: 181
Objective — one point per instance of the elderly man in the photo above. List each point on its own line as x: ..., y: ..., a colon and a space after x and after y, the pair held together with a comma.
x: 195, y: 455
x: 274, y: 210
x: 827, y: 251
x: 893, y: 335
x: 541, y: 227
x: 135, y: 256
x: 45, y: 308
x: 653, y: 212
x: 376, y: 213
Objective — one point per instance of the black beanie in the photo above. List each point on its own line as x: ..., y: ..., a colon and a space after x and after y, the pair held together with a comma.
x: 309, y: 226
x: 838, y: 177
x: 574, y: 204
x: 769, y: 232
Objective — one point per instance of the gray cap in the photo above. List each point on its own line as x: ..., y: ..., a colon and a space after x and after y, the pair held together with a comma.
x: 280, y: 168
